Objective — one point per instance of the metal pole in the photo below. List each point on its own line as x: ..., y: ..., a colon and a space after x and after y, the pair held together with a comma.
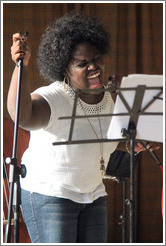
x: 14, y: 191
x: 124, y: 212
x: 132, y: 132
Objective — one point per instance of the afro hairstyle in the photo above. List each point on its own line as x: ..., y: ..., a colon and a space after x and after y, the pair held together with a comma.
x: 60, y: 38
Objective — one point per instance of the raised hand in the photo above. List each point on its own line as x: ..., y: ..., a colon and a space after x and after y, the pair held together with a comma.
x: 20, y: 48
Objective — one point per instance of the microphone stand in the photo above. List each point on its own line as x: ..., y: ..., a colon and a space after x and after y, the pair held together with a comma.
x: 15, y: 171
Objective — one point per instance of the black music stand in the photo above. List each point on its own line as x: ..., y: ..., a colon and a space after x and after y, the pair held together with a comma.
x: 130, y: 132
x: 127, y: 134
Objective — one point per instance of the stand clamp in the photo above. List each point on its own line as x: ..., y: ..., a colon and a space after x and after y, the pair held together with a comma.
x: 20, y: 170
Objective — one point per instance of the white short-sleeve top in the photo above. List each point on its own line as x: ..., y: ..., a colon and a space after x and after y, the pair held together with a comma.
x: 70, y: 171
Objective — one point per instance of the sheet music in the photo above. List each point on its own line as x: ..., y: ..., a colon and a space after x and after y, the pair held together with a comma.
x: 149, y: 128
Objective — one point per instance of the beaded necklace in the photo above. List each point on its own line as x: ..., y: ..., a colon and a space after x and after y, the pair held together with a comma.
x: 89, y: 109
x: 101, y: 159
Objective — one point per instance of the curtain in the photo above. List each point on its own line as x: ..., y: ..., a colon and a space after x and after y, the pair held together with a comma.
x: 136, y: 31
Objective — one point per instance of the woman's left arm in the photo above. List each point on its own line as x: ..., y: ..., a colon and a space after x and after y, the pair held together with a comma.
x: 125, y: 146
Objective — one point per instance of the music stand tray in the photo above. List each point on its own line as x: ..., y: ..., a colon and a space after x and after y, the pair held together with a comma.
x: 149, y: 119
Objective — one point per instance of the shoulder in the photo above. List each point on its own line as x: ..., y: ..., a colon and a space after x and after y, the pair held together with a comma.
x: 51, y: 93
x: 53, y: 88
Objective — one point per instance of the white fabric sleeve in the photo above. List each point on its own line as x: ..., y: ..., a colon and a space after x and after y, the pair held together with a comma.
x: 50, y: 94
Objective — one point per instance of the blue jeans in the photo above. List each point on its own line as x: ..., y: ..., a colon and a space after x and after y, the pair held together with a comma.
x: 58, y: 220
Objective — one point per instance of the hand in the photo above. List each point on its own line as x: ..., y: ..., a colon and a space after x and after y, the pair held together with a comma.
x: 151, y: 146
x: 20, y: 48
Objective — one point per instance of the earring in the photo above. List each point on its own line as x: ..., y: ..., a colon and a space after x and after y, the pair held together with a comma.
x: 66, y: 81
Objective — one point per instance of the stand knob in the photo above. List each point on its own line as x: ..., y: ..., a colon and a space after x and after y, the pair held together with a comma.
x: 23, y: 171
x: 8, y: 160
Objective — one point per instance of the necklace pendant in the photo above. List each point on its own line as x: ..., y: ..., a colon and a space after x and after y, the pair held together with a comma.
x: 102, y: 166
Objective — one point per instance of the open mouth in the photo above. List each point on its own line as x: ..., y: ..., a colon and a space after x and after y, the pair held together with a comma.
x: 94, y: 75
x: 94, y: 80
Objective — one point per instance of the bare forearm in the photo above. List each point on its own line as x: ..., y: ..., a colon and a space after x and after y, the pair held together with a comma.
x: 32, y: 108
x: 25, y: 99
x: 125, y: 146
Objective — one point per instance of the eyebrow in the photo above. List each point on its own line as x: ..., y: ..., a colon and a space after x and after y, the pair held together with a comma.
x: 76, y: 60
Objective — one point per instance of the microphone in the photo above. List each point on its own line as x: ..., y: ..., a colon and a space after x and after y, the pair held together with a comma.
x: 113, y: 80
x: 24, y: 37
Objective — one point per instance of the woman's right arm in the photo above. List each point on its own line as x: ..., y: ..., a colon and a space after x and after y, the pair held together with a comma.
x: 34, y: 110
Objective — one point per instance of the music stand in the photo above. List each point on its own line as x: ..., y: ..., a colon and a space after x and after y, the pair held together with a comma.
x: 127, y: 133
x: 142, y: 103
